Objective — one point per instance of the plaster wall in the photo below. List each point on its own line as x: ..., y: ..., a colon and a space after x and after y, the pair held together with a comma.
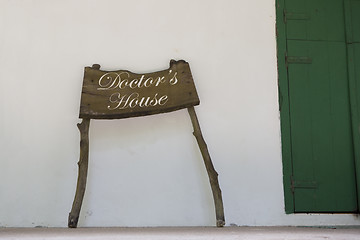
x: 144, y: 171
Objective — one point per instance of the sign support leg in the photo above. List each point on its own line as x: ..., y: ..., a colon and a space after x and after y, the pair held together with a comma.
x: 213, y: 175
x: 83, y: 169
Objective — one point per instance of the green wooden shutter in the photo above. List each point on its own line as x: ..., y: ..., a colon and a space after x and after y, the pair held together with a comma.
x: 317, y: 127
x: 314, y: 20
x: 321, y: 137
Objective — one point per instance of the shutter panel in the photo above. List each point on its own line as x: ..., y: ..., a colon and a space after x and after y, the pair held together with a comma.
x: 318, y: 20
x: 321, y: 137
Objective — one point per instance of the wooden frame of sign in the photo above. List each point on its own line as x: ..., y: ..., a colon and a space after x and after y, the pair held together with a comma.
x: 123, y: 94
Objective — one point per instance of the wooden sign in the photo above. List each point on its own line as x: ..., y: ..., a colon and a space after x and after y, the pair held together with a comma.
x: 122, y: 94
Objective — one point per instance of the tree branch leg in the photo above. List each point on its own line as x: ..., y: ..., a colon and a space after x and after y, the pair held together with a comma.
x: 213, y: 175
x: 83, y: 169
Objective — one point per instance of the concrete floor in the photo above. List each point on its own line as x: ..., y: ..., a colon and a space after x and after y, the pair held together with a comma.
x: 188, y: 233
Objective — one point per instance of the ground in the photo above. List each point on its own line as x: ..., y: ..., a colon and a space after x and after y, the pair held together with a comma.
x: 188, y: 233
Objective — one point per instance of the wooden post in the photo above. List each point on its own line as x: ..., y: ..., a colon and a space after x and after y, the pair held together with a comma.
x: 83, y: 169
x: 213, y: 175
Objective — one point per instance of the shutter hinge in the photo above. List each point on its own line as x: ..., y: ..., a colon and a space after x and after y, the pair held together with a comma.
x: 298, y: 60
x: 295, y: 16
x: 302, y: 184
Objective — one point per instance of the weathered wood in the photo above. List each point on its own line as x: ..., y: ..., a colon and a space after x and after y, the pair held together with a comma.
x: 213, y: 175
x: 82, y: 175
x: 123, y: 94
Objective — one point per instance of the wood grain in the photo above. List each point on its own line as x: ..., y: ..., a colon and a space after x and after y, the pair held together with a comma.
x: 123, y: 94
x: 82, y: 176
x: 213, y: 175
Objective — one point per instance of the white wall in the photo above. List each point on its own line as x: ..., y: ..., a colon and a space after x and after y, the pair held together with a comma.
x: 144, y: 171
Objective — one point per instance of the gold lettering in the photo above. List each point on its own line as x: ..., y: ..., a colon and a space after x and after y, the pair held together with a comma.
x: 115, y: 98
x: 174, y: 79
x: 133, y: 83
x: 108, y: 81
x: 163, y: 100
x: 148, y: 82
x: 160, y: 80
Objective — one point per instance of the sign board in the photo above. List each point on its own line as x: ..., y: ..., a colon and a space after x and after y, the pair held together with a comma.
x: 123, y: 94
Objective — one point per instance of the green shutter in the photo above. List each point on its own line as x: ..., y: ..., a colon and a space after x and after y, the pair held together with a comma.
x: 319, y: 88
x: 321, y: 137
x: 316, y: 20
